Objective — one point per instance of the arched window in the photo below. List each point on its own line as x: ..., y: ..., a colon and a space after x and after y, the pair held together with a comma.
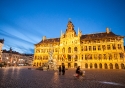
x: 63, y: 50
x: 76, y: 58
x: 69, y: 50
x: 75, y: 49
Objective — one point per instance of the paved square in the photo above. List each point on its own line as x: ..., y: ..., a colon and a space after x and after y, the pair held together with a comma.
x: 22, y: 77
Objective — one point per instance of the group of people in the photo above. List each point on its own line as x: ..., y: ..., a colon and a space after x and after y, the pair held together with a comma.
x: 78, y: 71
x: 62, y: 69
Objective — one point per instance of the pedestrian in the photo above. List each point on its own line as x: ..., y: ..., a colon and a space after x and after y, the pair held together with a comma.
x: 59, y: 69
x: 63, y: 69
x: 78, y: 71
x: 48, y: 67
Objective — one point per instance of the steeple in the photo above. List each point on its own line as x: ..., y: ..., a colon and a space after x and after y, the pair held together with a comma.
x: 79, y: 32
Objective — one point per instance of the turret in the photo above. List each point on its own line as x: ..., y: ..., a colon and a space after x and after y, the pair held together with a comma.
x: 79, y: 32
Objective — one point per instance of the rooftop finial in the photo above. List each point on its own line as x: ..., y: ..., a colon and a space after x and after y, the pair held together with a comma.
x: 107, y: 30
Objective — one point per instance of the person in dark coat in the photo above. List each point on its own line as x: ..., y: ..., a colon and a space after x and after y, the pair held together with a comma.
x: 63, y: 69
x: 60, y: 69
x: 78, y: 71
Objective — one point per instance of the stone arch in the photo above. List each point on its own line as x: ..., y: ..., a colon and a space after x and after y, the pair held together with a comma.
x: 122, y: 66
x: 100, y: 65
x: 95, y: 65
x: 111, y: 66
x: 86, y: 65
x: 90, y: 65
x: 116, y: 66
x: 106, y: 66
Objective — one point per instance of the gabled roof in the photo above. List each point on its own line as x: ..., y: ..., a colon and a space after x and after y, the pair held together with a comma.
x: 8, y: 51
x: 52, y: 40
x: 98, y: 36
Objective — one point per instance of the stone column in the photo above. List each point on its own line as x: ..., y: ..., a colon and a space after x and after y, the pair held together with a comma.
x: 113, y: 65
x: 103, y: 67
x: 93, y: 65
x: 88, y: 65
x: 108, y: 66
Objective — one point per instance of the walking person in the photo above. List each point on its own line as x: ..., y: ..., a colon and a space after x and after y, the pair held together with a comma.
x: 60, y: 69
x: 63, y: 69
x: 78, y: 71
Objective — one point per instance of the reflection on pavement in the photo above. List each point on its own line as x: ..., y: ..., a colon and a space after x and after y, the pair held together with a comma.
x: 112, y: 83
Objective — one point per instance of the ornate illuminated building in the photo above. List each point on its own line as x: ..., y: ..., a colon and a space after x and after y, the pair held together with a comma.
x: 93, y: 51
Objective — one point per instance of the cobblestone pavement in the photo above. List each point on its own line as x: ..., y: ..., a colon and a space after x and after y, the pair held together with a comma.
x: 22, y: 77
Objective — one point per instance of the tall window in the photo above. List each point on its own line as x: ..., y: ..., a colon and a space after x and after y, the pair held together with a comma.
x: 86, y: 57
x: 63, y: 50
x: 82, y: 57
x: 85, y: 48
x: 113, y: 46
x: 75, y: 49
x: 81, y: 48
x: 100, y: 56
x: 69, y: 50
x: 56, y: 50
x: 76, y: 58
x: 103, y: 47
x: 108, y: 40
x: 104, y: 55
x: 119, y: 46
x: 115, y: 56
x: 110, y: 56
x: 99, y: 47
x: 98, y: 41
x: 108, y: 47
x: 121, y: 55
x: 90, y: 48
x: 95, y: 56
x: 69, y: 57
x: 94, y: 48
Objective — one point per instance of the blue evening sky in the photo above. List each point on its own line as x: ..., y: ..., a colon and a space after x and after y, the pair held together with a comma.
x: 24, y: 22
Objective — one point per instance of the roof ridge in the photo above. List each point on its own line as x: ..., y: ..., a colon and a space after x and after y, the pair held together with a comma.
x: 94, y: 33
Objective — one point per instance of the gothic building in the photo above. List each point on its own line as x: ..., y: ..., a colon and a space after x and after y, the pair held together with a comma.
x: 103, y: 50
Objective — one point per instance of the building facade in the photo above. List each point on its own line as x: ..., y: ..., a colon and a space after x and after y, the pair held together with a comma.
x: 13, y: 58
x: 92, y: 51
x: 1, y: 45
